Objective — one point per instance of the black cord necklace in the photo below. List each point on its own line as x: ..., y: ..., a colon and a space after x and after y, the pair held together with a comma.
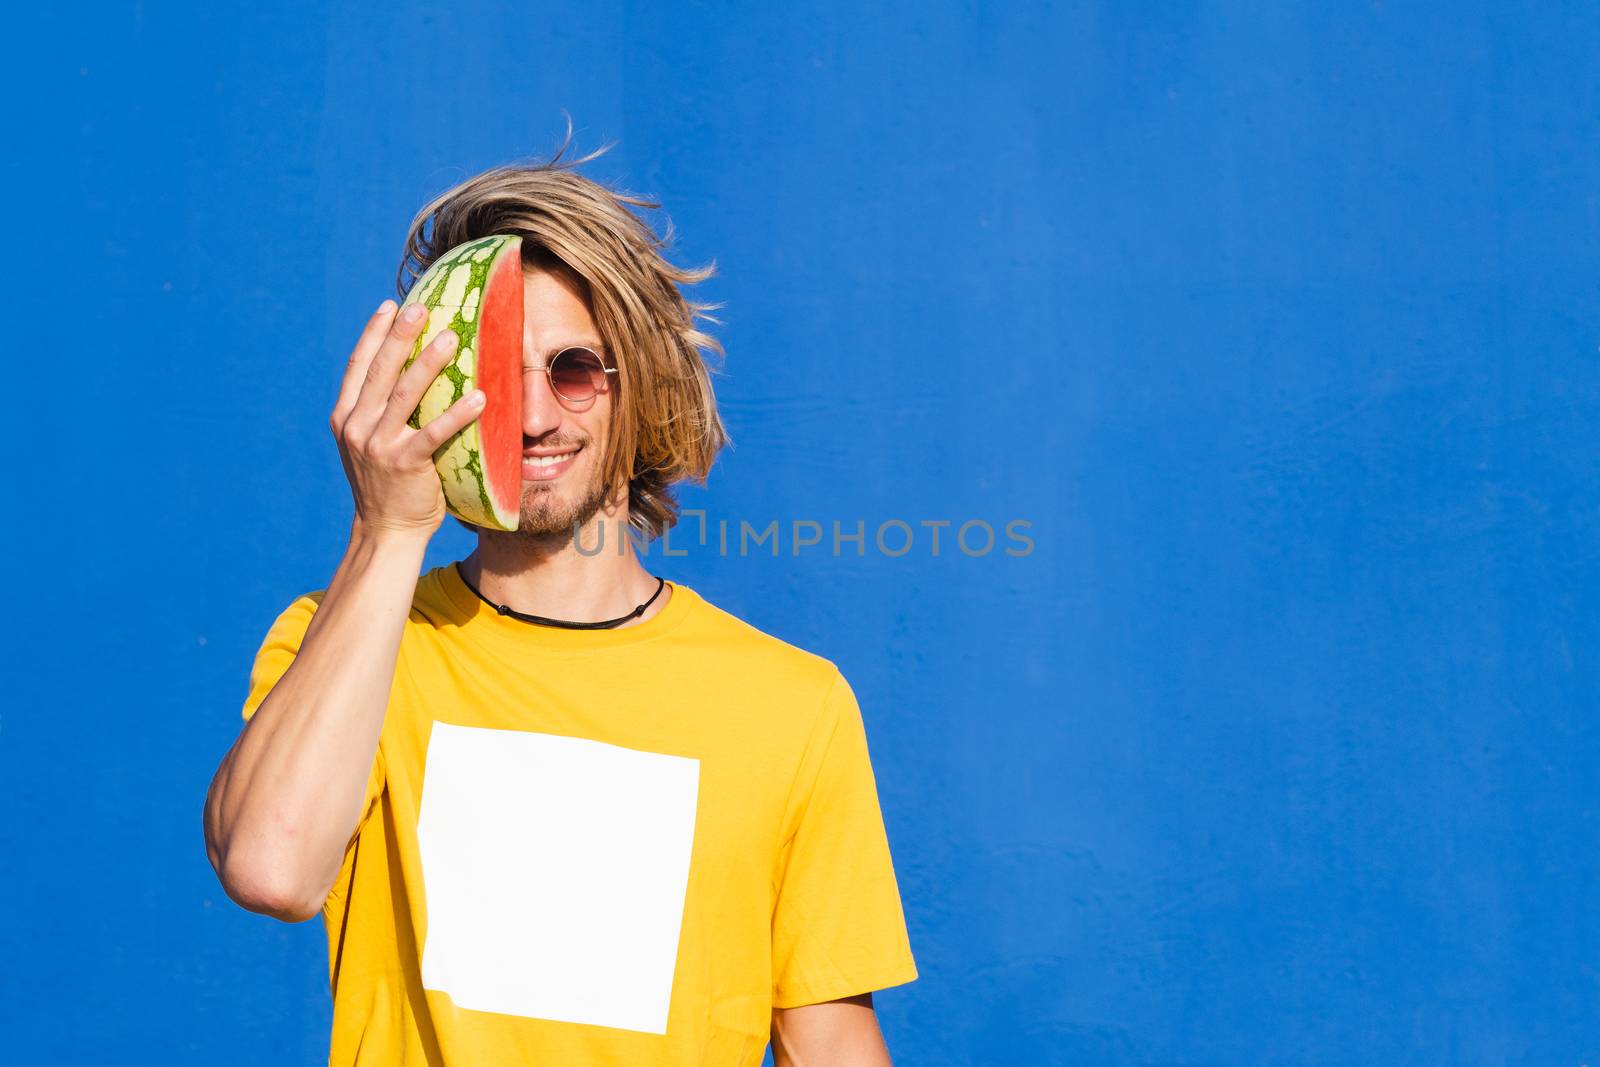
x: 661, y: 583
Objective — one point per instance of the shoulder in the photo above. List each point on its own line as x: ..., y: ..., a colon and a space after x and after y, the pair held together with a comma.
x: 756, y: 648
x: 430, y: 601
x: 427, y: 605
x: 293, y: 619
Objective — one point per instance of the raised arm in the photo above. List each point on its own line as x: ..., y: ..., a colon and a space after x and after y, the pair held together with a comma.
x: 287, y: 797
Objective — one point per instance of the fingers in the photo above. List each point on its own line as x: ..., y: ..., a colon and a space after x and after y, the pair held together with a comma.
x: 379, y: 392
x: 355, y: 371
x: 379, y: 381
x: 442, y: 427
x: 407, y: 393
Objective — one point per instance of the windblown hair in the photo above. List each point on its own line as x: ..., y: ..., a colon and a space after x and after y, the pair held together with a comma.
x: 665, y: 426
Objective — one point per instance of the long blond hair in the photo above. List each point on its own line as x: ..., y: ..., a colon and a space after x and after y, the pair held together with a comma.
x: 666, y: 428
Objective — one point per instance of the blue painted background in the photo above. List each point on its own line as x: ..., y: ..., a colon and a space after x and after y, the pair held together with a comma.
x: 1277, y: 322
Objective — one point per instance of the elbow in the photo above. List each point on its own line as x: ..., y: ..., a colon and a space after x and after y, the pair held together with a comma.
x: 258, y: 871
x: 264, y: 889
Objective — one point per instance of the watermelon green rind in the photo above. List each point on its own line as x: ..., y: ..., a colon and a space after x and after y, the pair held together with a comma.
x: 452, y: 290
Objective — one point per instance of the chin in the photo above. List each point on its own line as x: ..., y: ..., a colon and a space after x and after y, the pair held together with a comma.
x: 549, y: 509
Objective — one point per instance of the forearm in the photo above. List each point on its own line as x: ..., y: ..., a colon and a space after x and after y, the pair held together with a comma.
x: 287, y: 797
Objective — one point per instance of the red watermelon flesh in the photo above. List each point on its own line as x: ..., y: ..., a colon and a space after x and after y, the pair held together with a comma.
x: 476, y: 290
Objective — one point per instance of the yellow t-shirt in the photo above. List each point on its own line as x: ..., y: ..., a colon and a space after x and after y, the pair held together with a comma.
x: 601, y: 847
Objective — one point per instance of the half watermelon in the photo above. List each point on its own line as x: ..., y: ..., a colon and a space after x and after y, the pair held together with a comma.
x: 475, y: 289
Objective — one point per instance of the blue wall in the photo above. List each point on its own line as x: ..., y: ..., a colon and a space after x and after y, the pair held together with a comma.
x: 1277, y: 323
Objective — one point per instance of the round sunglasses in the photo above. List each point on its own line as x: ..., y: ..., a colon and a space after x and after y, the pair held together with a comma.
x: 576, y: 374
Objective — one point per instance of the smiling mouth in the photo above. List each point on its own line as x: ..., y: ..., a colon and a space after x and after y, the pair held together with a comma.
x: 543, y: 468
x: 548, y: 461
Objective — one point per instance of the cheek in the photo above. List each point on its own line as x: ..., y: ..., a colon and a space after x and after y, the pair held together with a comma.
x: 597, y: 421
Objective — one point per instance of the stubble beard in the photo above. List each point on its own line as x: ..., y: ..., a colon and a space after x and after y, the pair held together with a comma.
x: 547, y: 513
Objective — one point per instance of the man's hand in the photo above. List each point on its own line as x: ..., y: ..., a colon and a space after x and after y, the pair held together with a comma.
x: 389, y: 465
x: 837, y: 1033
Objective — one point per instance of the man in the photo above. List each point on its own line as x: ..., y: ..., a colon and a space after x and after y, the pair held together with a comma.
x: 553, y: 809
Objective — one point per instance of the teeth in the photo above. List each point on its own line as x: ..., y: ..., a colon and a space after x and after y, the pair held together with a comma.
x: 547, y: 461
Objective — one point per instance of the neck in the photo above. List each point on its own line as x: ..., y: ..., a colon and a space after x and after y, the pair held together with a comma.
x: 549, y: 576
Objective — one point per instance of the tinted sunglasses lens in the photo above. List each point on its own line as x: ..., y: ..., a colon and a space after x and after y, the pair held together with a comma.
x: 577, y: 374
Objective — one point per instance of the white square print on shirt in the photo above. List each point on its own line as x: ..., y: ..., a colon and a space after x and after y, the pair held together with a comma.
x: 555, y: 870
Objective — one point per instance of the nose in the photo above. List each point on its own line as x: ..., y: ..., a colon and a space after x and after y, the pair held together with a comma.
x: 541, y: 408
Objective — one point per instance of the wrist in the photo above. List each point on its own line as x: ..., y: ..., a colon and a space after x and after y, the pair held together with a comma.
x: 365, y: 538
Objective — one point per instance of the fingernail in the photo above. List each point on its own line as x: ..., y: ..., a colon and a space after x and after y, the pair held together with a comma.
x: 413, y: 313
x: 386, y: 307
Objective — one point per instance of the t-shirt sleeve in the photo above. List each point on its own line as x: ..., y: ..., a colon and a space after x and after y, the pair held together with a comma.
x: 837, y: 927
x: 277, y: 652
